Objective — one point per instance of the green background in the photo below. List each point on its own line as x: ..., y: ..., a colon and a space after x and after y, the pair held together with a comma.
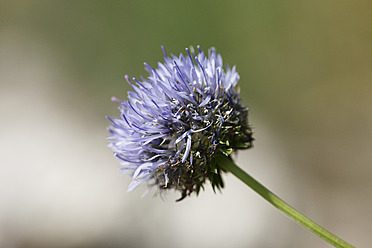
x: 305, y: 72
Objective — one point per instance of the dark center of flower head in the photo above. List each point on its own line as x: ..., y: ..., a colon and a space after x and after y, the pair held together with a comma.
x: 176, y: 121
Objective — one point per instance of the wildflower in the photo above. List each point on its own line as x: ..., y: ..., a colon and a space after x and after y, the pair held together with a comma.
x: 177, y: 119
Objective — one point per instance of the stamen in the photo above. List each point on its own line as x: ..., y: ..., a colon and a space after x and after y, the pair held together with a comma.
x: 164, y: 52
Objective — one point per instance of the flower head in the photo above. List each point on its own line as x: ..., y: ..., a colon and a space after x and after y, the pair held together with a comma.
x: 174, y: 122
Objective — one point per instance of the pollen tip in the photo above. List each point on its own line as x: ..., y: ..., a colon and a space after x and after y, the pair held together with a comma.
x: 127, y: 78
x: 116, y: 100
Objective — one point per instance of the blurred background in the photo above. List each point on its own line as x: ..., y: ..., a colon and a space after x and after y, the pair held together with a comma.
x: 306, y: 75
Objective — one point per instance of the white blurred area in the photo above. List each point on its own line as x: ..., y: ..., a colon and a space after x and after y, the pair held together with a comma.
x: 55, y: 171
x: 59, y: 185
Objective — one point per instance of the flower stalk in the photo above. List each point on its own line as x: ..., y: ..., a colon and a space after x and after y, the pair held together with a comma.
x: 227, y: 164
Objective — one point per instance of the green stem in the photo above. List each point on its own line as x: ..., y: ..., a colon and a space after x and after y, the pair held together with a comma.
x: 227, y: 164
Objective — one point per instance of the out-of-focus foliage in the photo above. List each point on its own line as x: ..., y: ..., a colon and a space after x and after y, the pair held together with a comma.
x: 305, y: 69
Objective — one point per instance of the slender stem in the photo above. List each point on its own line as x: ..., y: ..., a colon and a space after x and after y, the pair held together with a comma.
x: 227, y: 164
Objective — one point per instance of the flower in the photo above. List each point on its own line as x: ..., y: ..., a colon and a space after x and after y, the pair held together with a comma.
x: 174, y: 122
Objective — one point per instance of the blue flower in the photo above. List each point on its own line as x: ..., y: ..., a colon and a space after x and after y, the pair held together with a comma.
x: 176, y: 120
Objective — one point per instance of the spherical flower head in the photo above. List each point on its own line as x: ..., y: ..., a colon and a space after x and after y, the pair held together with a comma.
x: 177, y: 119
